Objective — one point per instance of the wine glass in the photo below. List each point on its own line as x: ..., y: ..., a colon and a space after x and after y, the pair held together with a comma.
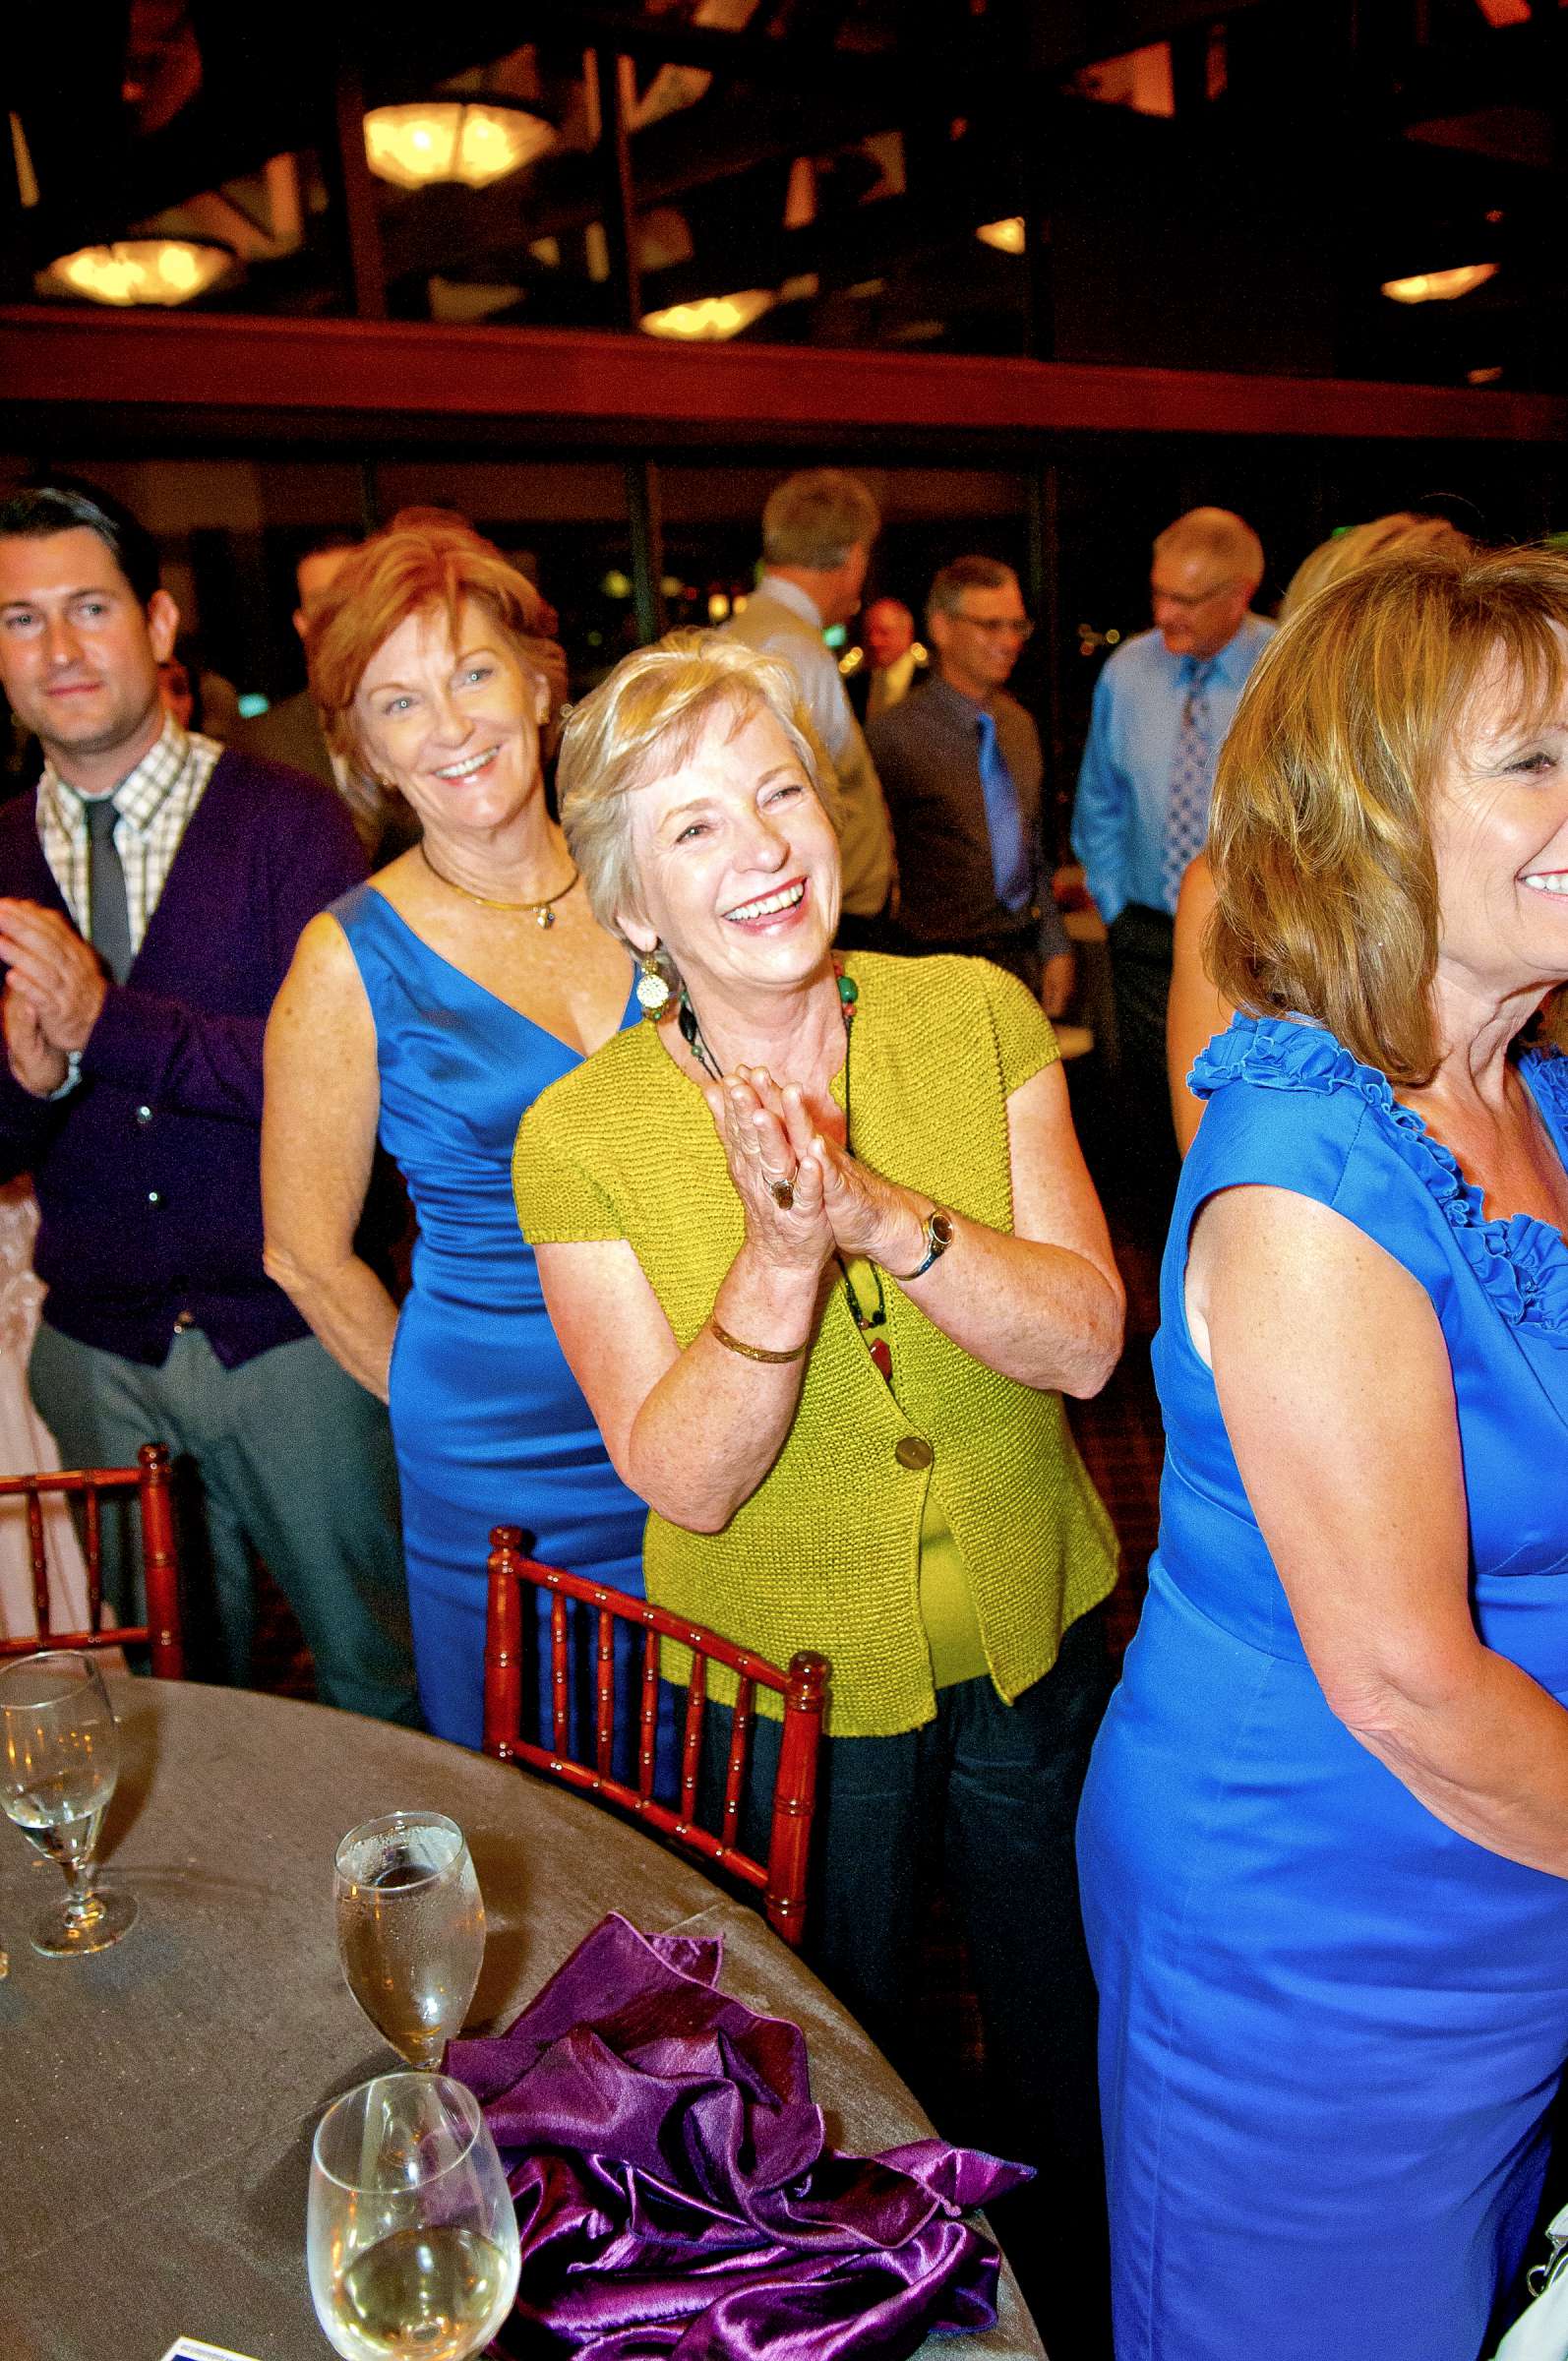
x: 411, y: 1928
x: 59, y: 1758
x: 410, y: 2236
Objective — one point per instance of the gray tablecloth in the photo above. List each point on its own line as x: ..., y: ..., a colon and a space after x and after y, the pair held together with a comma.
x: 157, y: 2101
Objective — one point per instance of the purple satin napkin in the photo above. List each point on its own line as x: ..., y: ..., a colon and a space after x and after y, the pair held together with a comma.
x: 674, y: 2190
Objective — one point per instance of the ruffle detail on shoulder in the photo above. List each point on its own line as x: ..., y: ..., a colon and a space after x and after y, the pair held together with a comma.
x: 1522, y: 1263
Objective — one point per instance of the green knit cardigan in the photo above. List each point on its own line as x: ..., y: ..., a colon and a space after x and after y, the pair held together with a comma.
x: 826, y: 1554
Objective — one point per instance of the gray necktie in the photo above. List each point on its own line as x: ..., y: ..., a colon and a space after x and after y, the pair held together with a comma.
x: 108, y: 912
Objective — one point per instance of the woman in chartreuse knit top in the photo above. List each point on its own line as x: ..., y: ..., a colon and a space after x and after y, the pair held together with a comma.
x: 834, y: 1372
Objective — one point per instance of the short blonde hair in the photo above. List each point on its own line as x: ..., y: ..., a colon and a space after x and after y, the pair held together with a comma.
x: 815, y: 518
x: 1219, y: 536
x: 1320, y: 840
x: 408, y: 569
x: 1343, y: 552
x: 641, y: 723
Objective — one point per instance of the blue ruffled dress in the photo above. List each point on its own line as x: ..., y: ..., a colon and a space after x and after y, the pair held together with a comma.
x: 1331, y: 2027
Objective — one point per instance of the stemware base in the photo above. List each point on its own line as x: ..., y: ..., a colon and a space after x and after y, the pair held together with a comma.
x: 64, y: 1933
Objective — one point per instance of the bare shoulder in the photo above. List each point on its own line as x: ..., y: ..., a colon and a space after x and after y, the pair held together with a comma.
x: 1197, y: 895
x: 322, y: 1011
x: 324, y: 960
x: 1279, y: 1272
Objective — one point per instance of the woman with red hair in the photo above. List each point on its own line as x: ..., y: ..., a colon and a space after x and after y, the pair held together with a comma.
x: 429, y: 1008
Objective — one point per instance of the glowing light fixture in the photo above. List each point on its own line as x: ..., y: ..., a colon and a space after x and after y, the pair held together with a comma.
x: 1439, y: 286
x: 162, y: 271
x: 712, y: 317
x: 1006, y: 236
x: 452, y: 139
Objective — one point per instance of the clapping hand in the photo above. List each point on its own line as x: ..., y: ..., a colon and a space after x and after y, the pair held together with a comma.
x: 37, y: 1066
x: 57, y: 973
x: 768, y: 1136
x: 863, y: 1214
x: 867, y: 1214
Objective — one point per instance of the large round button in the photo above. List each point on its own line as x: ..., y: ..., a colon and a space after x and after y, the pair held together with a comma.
x: 913, y: 1451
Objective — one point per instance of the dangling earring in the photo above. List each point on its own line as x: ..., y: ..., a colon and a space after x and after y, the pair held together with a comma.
x: 653, y: 991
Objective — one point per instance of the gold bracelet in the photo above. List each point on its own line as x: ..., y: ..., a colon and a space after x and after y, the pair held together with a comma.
x: 733, y: 1344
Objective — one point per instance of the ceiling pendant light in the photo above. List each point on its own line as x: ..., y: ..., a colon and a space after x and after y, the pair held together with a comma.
x: 1007, y: 235
x: 1439, y: 286
x: 712, y: 318
x: 473, y: 140
x: 162, y: 271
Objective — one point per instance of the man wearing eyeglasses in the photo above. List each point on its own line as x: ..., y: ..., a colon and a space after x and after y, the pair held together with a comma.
x: 1162, y: 706
x: 962, y: 767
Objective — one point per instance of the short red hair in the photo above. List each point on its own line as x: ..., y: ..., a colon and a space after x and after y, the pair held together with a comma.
x: 408, y: 569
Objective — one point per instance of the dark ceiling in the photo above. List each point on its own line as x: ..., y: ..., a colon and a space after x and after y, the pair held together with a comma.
x: 1203, y: 186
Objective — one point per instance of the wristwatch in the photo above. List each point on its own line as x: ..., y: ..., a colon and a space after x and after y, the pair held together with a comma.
x: 939, y: 1235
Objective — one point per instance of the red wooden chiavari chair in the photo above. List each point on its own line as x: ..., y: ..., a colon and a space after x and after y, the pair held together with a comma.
x: 781, y: 1878
x: 149, y: 1481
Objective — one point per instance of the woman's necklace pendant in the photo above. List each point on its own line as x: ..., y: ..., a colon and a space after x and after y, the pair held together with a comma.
x: 544, y: 918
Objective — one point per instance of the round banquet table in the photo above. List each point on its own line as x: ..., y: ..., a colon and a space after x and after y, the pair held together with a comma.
x: 157, y: 2101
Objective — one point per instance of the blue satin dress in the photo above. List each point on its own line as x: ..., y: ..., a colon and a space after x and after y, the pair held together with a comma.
x: 1330, y: 2027
x: 489, y: 1422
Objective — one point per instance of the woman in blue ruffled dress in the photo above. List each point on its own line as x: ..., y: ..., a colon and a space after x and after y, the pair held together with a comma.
x: 1324, y: 1844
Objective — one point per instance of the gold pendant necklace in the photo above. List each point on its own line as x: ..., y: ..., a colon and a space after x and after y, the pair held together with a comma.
x: 542, y: 911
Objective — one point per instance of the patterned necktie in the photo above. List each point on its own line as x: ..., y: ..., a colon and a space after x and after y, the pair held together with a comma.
x: 1186, y: 820
x: 108, y: 912
x: 1010, y: 865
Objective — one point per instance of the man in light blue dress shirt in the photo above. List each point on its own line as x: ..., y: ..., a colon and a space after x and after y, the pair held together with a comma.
x: 1162, y: 706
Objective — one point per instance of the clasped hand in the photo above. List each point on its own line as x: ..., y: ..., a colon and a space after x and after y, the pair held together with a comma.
x: 54, y: 993
x: 835, y: 1204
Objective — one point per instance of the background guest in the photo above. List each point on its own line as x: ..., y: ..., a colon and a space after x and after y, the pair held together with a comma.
x: 154, y: 888
x: 823, y: 1254
x: 291, y: 731
x: 198, y: 697
x: 1196, y: 1010
x: 895, y: 662
x: 817, y: 530
x: 1325, y: 1838
x: 1161, y: 709
x: 962, y: 767
x: 431, y: 1006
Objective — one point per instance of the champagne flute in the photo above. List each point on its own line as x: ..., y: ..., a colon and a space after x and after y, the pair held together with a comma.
x: 411, y: 1928
x: 59, y: 1758
x: 410, y: 2236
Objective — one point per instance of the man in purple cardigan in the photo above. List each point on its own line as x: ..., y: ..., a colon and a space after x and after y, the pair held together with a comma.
x: 152, y: 892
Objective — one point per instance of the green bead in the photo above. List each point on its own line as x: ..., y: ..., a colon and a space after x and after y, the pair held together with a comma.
x: 848, y: 991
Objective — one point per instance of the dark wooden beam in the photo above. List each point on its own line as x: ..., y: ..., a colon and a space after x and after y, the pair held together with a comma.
x: 54, y: 361
x: 353, y: 190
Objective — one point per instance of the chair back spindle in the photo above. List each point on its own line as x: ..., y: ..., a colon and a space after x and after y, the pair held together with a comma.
x: 514, y: 1579
x: 150, y: 1480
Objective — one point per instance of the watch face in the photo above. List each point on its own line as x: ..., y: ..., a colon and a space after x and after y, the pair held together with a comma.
x: 941, y: 1228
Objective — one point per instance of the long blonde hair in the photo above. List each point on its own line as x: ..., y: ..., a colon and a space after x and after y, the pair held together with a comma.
x: 1319, y: 838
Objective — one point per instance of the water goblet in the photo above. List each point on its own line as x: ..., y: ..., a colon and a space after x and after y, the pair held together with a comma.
x: 410, y: 2238
x: 411, y: 1928
x: 59, y: 1758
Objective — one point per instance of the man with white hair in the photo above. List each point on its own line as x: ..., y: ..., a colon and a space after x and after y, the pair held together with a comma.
x: 1162, y: 706
x: 817, y: 530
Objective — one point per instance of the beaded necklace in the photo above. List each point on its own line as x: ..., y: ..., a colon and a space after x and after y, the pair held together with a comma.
x: 867, y: 1320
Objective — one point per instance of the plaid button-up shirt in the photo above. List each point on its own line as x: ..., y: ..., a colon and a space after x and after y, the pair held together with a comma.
x: 155, y: 802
